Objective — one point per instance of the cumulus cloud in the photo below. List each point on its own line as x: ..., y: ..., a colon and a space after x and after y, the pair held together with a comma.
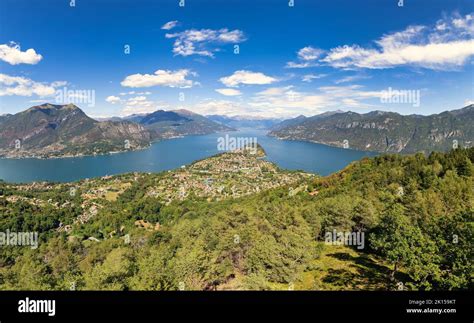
x: 229, y: 92
x: 113, y: 99
x: 204, y: 42
x: 445, y: 46
x: 22, y: 86
x: 167, y: 78
x: 246, y: 77
x: 140, y: 104
x: 170, y: 25
x: 12, y: 54
x: 307, y: 57
x: 309, y: 53
x: 284, y: 101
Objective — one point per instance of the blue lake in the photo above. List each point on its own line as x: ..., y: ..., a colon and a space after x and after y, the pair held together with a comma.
x: 173, y: 153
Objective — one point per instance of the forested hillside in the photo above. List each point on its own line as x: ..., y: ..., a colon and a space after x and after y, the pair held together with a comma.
x: 386, y: 132
x: 417, y: 214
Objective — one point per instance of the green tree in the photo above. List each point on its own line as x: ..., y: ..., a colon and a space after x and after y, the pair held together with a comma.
x: 402, y: 243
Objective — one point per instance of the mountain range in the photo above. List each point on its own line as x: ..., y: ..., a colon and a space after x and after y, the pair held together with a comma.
x: 175, y: 123
x: 50, y: 130
x: 383, y: 131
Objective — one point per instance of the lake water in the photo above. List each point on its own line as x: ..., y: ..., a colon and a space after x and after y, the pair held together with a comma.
x: 173, y: 153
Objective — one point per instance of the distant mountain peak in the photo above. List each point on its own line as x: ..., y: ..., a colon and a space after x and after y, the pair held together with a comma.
x: 378, y: 113
x: 162, y: 116
x: 55, y: 107
x: 184, y: 112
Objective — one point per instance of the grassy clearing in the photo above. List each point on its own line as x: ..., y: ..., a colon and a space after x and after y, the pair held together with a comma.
x: 343, y: 268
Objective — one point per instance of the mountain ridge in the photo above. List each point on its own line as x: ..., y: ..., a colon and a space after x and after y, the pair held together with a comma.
x: 49, y: 130
x: 384, y: 131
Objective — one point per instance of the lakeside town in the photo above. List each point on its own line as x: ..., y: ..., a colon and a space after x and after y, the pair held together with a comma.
x: 232, y: 174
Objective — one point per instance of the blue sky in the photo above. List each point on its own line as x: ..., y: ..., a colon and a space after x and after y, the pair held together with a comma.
x: 313, y: 57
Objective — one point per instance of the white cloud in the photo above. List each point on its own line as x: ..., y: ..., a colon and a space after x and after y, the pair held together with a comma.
x: 133, y: 92
x: 204, y: 42
x: 309, y: 53
x: 464, y: 24
x: 59, y: 83
x: 222, y: 107
x: 307, y: 57
x: 351, y: 78
x: 287, y: 101
x: 13, y: 55
x: 350, y: 91
x: 22, y: 86
x: 170, y: 25
x: 284, y: 101
x: 140, y: 104
x: 311, y: 77
x: 246, y: 77
x: 275, y: 91
x: 300, y: 64
x: 468, y: 102
x: 113, y: 99
x: 229, y: 92
x: 445, y: 46
x: 160, y: 78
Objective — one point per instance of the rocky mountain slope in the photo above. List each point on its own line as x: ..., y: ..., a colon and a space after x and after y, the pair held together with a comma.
x: 49, y: 130
x: 384, y: 131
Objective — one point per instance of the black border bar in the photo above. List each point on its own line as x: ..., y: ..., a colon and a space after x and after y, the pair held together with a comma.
x: 238, y: 305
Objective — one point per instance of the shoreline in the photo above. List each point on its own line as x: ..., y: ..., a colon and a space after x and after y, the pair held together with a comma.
x: 106, y: 153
